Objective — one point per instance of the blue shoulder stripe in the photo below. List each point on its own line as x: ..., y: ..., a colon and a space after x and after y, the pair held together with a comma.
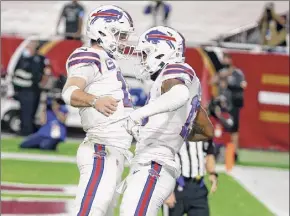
x: 84, y: 54
x: 179, y: 66
x: 85, y: 60
x: 177, y: 71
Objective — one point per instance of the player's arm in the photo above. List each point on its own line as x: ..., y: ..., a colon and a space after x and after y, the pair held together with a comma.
x: 202, y: 129
x: 210, y: 165
x: 78, y: 98
x: 73, y: 92
x: 174, y: 95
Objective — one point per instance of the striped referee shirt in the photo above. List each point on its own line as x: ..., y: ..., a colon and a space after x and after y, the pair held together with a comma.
x: 192, y: 158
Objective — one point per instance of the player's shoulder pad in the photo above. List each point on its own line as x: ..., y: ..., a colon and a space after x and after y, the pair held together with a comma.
x: 84, y: 56
x: 181, y: 69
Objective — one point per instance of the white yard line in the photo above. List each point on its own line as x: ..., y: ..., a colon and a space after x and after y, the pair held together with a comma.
x: 68, y: 140
x: 41, y: 157
x: 37, y: 157
x: 42, y: 193
x: 29, y: 199
x: 35, y: 214
x: 67, y: 186
x: 270, y: 186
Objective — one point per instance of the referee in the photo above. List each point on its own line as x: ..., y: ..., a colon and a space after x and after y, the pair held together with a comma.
x: 190, y: 194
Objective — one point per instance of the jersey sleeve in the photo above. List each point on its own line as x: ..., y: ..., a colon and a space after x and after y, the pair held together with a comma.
x: 85, y: 65
x: 180, y: 72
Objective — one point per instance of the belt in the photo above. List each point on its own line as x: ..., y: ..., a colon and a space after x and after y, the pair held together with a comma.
x: 195, y: 179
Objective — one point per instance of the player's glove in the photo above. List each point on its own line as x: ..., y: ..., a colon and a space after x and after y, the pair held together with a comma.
x: 132, y: 127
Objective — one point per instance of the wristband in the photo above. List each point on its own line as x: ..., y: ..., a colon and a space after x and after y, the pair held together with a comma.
x: 93, y: 103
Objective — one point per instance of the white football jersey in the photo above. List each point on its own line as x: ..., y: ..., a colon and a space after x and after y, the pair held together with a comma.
x: 162, y: 135
x: 103, y: 78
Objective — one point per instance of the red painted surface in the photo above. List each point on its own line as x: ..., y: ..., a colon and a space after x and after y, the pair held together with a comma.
x: 33, y: 207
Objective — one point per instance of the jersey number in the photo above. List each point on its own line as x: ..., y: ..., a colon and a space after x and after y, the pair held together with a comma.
x: 126, y: 100
x: 189, y: 121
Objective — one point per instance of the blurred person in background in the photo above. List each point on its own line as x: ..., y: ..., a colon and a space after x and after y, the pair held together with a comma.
x: 30, y: 73
x: 53, y: 129
x: 3, y: 86
x: 191, y: 194
x: 73, y: 13
x: 233, y: 90
x: 273, y: 27
x: 154, y: 9
x: 222, y: 121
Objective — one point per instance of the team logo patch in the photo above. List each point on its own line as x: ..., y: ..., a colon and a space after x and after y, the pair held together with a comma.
x: 100, y: 154
x: 153, y: 173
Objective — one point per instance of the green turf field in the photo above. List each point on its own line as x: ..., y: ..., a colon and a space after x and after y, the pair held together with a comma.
x: 231, y: 199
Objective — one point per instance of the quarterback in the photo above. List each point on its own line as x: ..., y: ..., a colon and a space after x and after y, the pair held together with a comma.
x: 164, y: 123
x: 96, y: 86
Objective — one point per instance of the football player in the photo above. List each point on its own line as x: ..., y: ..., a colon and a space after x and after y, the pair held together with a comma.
x: 96, y: 86
x: 167, y: 120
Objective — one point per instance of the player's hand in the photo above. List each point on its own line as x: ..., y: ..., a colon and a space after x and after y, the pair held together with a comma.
x: 130, y: 124
x: 106, y: 105
x: 214, y: 183
x: 171, y: 200
x: 132, y: 127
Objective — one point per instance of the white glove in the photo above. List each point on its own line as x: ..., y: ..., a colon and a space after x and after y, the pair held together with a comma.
x: 132, y: 127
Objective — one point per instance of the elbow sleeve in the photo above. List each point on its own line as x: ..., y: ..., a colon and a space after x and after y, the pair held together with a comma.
x: 66, y: 94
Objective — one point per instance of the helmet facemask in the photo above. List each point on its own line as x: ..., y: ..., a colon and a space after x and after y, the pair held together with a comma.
x: 115, y: 42
x: 152, y: 60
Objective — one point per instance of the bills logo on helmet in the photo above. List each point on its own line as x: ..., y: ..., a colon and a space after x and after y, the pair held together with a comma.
x: 156, y: 36
x: 110, y: 15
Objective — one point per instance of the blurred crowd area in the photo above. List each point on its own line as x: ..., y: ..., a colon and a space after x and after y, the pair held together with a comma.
x: 36, y: 89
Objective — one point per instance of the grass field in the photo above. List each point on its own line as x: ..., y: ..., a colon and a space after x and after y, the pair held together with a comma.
x: 231, y: 199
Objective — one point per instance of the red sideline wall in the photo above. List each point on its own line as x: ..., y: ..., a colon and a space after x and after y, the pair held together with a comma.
x: 261, y: 126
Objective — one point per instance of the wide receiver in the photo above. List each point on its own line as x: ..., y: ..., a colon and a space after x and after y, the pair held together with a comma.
x: 96, y: 86
x: 173, y: 108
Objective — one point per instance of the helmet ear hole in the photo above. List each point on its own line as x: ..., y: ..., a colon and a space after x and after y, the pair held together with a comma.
x: 101, y: 33
x: 159, y: 56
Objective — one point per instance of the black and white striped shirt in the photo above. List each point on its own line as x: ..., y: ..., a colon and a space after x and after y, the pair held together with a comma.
x: 192, y: 158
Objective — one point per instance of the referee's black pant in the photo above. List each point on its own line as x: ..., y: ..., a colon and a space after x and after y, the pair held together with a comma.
x: 192, y: 200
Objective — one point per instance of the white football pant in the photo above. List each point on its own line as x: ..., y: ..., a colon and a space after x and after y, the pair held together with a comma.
x: 147, y: 187
x: 101, y: 169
